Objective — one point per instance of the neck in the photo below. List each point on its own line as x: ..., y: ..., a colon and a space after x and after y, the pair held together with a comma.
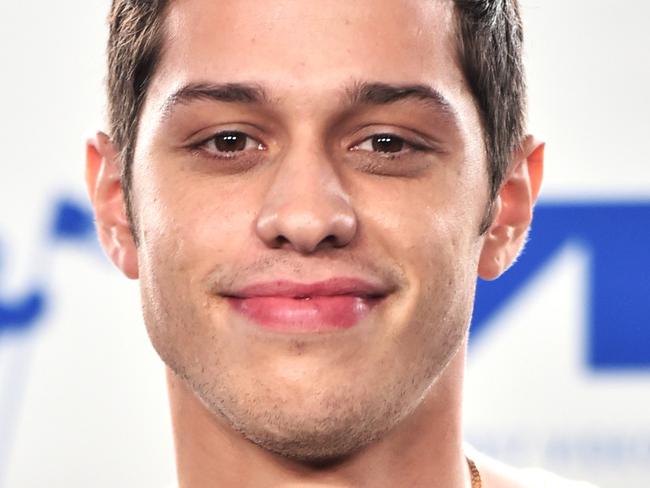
x: 425, y: 449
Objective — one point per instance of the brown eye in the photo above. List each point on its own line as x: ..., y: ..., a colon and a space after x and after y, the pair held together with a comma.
x: 229, y: 145
x: 230, y: 141
x: 387, y: 143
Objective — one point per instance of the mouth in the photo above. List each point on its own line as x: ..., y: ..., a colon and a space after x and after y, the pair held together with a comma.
x: 338, y: 303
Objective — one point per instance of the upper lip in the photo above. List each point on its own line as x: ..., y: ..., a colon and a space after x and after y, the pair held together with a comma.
x: 330, y: 287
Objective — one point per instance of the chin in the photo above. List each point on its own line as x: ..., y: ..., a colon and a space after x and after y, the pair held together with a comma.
x: 320, y: 445
x: 326, y: 428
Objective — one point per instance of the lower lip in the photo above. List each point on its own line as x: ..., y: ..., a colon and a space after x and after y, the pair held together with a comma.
x: 312, y: 314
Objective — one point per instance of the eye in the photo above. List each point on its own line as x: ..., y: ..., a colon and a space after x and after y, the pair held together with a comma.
x: 384, y: 143
x: 228, y: 143
x: 385, y: 153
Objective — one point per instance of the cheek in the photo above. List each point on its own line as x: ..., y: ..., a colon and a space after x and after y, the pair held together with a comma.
x: 190, y: 224
x: 434, y: 235
x: 187, y: 230
x: 446, y: 260
x: 430, y: 227
x: 442, y: 263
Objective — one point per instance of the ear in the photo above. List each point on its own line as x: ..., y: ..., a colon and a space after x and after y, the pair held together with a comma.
x: 513, y: 210
x: 104, y: 184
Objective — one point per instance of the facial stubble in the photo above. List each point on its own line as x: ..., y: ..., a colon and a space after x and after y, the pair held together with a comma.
x: 307, y: 423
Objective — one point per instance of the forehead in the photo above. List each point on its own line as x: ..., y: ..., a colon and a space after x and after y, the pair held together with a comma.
x: 309, y: 44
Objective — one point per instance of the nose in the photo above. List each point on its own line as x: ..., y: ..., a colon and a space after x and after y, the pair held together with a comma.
x: 306, y: 208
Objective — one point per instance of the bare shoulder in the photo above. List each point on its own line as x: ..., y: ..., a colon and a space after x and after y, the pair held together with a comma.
x: 495, y: 474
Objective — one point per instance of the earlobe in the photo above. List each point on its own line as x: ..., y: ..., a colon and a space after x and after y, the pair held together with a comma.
x: 104, y: 185
x: 513, y: 211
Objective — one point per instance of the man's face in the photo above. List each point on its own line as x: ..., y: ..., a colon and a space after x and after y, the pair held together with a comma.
x: 312, y: 172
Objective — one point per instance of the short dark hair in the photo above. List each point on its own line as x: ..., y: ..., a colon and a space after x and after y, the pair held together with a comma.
x: 490, y: 49
x: 489, y: 37
x: 134, y: 48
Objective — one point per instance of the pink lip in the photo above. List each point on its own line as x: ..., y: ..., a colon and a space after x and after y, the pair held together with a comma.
x: 338, y: 303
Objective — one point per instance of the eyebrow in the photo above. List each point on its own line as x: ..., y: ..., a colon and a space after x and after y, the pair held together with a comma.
x: 360, y: 93
x: 247, y: 93
x: 385, y: 93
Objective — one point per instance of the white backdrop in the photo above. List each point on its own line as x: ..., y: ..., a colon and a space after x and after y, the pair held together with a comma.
x: 82, y: 396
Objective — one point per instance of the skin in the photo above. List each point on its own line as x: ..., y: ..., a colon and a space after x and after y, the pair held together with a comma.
x: 310, y: 198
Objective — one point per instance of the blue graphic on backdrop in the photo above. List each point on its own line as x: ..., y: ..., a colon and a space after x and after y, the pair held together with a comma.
x: 617, y: 234
x: 618, y: 238
x: 71, y: 222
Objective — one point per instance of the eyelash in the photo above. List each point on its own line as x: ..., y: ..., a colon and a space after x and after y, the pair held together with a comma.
x: 407, y: 146
x: 201, y: 146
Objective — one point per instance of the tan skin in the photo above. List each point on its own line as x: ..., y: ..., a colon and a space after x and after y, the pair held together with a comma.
x: 307, y: 190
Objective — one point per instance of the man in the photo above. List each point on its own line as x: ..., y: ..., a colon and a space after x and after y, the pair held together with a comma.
x: 307, y: 191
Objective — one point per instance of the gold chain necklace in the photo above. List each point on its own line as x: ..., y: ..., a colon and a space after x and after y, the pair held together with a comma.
x: 476, y: 476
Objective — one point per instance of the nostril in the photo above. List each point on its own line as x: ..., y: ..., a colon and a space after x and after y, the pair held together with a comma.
x: 331, y: 240
x: 280, y: 241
